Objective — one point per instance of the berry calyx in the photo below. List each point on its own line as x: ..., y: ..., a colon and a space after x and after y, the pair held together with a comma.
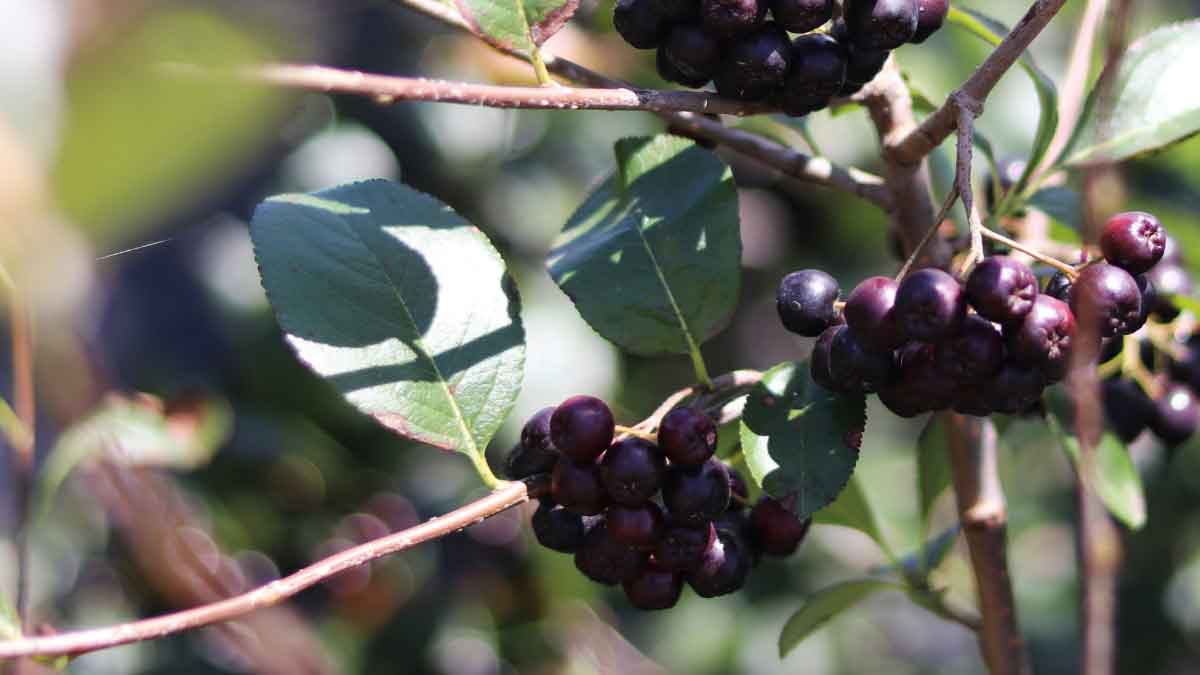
x: 581, y: 427
x: 638, y: 526
x: 1045, y: 338
x: 654, y: 588
x: 1133, y: 241
x: 695, y: 495
x: 1002, y: 289
x: 931, y: 14
x: 639, y: 23
x: 881, y: 24
x: 632, y: 470
x: 930, y: 305
x: 870, y: 314
x: 755, y: 65
x: 556, y: 528
x: 775, y: 529
x: 1107, y: 297
x: 687, y: 436
x: 577, y: 486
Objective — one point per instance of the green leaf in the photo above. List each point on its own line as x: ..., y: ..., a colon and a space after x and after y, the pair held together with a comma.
x: 851, y: 509
x: 1111, y: 474
x: 1187, y: 303
x: 400, y: 304
x: 651, y: 259
x: 517, y: 24
x: 933, y: 466
x: 825, y: 604
x: 993, y: 32
x: 1149, y: 103
x: 10, y: 623
x: 800, y: 440
x: 1060, y: 203
x: 919, y: 563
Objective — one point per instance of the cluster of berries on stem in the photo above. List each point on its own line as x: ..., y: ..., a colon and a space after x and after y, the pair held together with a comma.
x: 650, y: 516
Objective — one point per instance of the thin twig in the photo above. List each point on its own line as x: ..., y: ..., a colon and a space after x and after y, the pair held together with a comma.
x: 1069, y: 270
x: 81, y: 642
x: 951, y: 199
x: 968, y: 110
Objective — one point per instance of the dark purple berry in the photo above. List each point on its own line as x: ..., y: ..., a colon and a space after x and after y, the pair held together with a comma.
x: 974, y: 354
x: 931, y: 14
x: 819, y: 360
x: 1002, y: 289
x: 1128, y: 410
x: 854, y: 367
x: 632, y: 471
x: 1058, y: 286
x: 930, y: 305
x: 1177, y: 415
x: 639, y: 22
x: 723, y: 567
x: 816, y: 74
x: 577, y: 486
x: 688, y: 56
x: 677, y: 11
x: 920, y: 387
x: 727, y: 19
x: 1187, y: 370
x: 606, y: 560
x: 973, y: 399
x: 862, y: 65
x: 1149, y: 299
x: 1045, y: 339
x: 638, y: 526
x: 801, y: 16
x: 1169, y: 278
x: 582, y: 427
x: 870, y: 313
x: 556, y: 528
x: 739, y: 492
x: 535, y: 453
x: 1015, y: 389
x: 682, y: 548
x: 775, y: 529
x: 654, y: 587
x: 1107, y: 297
x: 805, y: 300
x: 754, y: 66
x: 881, y: 24
x: 1111, y: 348
x: 687, y: 436
x: 696, y: 495
x: 1133, y: 241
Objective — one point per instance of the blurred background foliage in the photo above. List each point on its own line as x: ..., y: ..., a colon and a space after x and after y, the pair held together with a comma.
x: 103, y: 151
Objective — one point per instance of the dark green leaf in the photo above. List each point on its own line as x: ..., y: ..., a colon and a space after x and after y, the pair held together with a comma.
x: 851, y: 509
x: 823, y: 606
x: 1149, y: 103
x: 1111, y: 475
x: 517, y: 24
x: 800, y: 440
x: 1060, y: 203
x: 993, y: 32
x: 933, y: 465
x: 651, y: 259
x: 400, y: 304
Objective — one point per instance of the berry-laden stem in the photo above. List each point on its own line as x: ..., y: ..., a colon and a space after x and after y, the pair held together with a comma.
x: 506, y: 496
x: 636, y: 433
x: 1057, y: 264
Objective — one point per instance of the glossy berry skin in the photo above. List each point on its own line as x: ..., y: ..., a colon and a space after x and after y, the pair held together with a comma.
x: 1059, y: 287
x: 535, y: 453
x: 581, y: 427
x: 696, y: 495
x: 801, y: 16
x: 930, y: 305
x: 739, y: 492
x: 723, y: 567
x: 678, y: 11
x: 1045, y: 338
x: 687, y: 436
x: 577, y: 486
x: 974, y: 354
x: 754, y: 66
x: 1107, y: 297
x: 606, y: 560
x: 638, y: 526
x: 1126, y: 408
x: 1002, y: 289
x: 690, y: 56
x: 639, y: 23
x: 870, y: 313
x: 816, y: 74
x: 775, y: 529
x: 556, y: 528
x: 654, y: 588
x: 920, y: 386
x: 931, y: 14
x: 1177, y: 415
x: 881, y: 24
x: 1149, y: 299
x: 727, y: 19
x: 854, y: 367
x: 632, y: 471
x: 862, y: 65
x: 1133, y: 241
x: 1014, y: 389
x: 682, y: 548
x: 818, y: 362
x: 805, y: 300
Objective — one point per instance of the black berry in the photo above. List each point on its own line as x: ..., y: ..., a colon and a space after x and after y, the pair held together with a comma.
x: 1107, y: 297
x: 1045, y: 338
x: 577, y: 486
x: 723, y: 567
x: 687, y: 436
x: 801, y: 16
x: 819, y: 360
x: 1149, y: 300
x: 638, y: 526
x: 677, y: 11
x: 654, y: 587
x: 1177, y: 415
x: 870, y: 314
x: 695, y: 495
x: 556, y: 528
x: 1169, y: 278
x: 739, y: 492
x: 1002, y: 289
x: 732, y: 18
x: 805, y: 300
x: 639, y: 22
x: 775, y: 529
x: 881, y: 24
x: 854, y: 367
x: 632, y: 471
x: 682, y: 548
x: 1059, y: 286
x: 1128, y: 410
x: 975, y: 353
x: 688, y: 56
x: 535, y: 453
x: 755, y: 65
x: 931, y: 14
x: 606, y: 560
x: 816, y: 74
x: 930, y: 305
x: 582, y: 427
x: 1015, y: 389
x: 1133, y: 241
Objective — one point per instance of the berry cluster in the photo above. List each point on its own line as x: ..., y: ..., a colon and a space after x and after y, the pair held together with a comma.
x: 990, y: 345
x: 644, y: 515
x: 753, y: 58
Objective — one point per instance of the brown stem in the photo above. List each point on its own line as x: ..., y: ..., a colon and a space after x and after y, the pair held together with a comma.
x: 81, y: 642
x: 982, y: 512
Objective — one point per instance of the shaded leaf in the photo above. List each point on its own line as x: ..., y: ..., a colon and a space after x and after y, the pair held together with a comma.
x: 824, y: 605
x: 1149, y: 103
x: 851, y: 509
x: 651, y: 259
x: 400, y: 304
x: 1060, y: 203
x: 933, y: 465
x: 1111, y: 475
x: 517, y: 24
x: 800, y: 440
x: 919, y: 563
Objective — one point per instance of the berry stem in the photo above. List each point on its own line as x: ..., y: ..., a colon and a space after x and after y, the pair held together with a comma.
x: 623, y: 431
x: 1059, y: 265
x: 1132, y: 367
x: 929, y: 234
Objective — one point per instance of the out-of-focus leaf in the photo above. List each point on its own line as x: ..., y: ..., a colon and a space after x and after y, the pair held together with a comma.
x: 1187, y: 303
x: 10, y: 623
x: 801, y: 441
x: 1111, y: 474
x: 517, y: 24
x: 1060, y: 203
x: 851, y: 509
x: 400, y: 304
x: 933, y: 465
x: 651, y: 259
x: 920, y: 563
x: 824, y: 605
x: 1149, y: 103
